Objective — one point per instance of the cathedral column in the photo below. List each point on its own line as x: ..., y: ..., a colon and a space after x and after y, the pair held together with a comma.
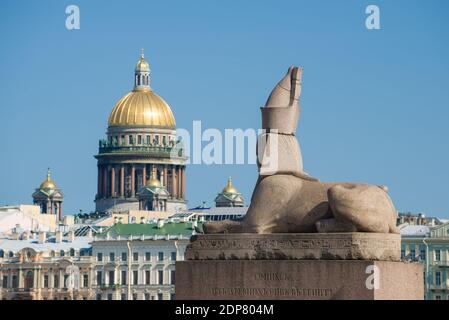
x: 105, y: 181
x: 144, y: 175
x: 133, y: 184
x: 165, y: 184
x: 122, y: 181
x: 112, y: 181
x: 99, y: 182
x: 183, y: 183
x: 174, y: 188
x: 179, y: 182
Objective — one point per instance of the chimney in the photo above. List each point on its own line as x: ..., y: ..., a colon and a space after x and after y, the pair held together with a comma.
x: 42, y: 237
x: 58, y: 237
x: 71, y: 236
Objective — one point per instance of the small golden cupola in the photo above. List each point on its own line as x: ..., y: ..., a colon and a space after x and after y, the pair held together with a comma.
x: 48, y: 197
x: 48, y: 183
x: 229, y: 197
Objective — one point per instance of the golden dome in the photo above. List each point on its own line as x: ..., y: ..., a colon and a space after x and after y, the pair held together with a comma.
x: 142, y: 108
x: 48, y: 183
x: 153, y: 182
x: 229, y: 187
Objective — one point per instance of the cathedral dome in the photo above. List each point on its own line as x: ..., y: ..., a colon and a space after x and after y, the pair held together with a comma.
x: 142, y: 108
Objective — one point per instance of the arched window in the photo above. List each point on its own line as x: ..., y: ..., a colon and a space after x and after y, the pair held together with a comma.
x: 72, y: 252
x: 62, y: 253
x: 11, y: 254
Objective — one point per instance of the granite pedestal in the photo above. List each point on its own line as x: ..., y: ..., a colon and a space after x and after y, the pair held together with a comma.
x: 297, y: 266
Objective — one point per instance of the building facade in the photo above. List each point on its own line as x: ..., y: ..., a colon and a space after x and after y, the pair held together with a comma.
x: 33, y: 267
x: 429, y: 245
x: 137, y: 261
x: 141, y: 144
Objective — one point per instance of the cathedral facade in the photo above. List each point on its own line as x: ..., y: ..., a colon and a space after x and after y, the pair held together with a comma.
x: 141, y: 147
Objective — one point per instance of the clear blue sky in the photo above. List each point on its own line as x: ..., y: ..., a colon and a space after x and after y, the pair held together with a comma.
x: 375, y: 104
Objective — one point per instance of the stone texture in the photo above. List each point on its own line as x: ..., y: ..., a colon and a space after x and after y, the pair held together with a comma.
x: 297, y: 280
x: 292, y: 246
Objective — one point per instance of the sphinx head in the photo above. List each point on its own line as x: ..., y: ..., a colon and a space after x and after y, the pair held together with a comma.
x: 281, y: 111
x: 286, y: 93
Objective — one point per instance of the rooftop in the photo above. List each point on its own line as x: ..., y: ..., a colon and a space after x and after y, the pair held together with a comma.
x: 152, y: 229
x: 17, y: 245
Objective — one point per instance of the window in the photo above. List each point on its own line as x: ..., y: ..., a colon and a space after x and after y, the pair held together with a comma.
x: 131, y: 139
x: 135, y: 256
x: 173, y: 256
x: 123, y: 278
x: 437, y: 255
x: 160, y: 256
x: 147, y: 277
x: 422, y: 254
x: 172, y: 296
x: 160, y: 296
x: 134, y: 296
x: 72, y: 252
x: 66, y: 277
x: 99, y: 278
x: 135, y: 277
x: 2, y: 253
x: 160, y: 277
x: 139, y: 139
x: 85, y: 280
x: 111, y: 277
x: 172, y: 277
x: 11, y: 254
x: 111, y: 256
x: 99, y: 257
x: 148, y: 139
x: 109, y: 296
x: 62, y: 253
x: 147, y: 296
x: 46, y: 281
x: 402, y: 254
x: 413, y: 254
x: 122, y: 140
x: 147, y: 256
x: 123, y: 296
x: 5, y: 282
x: 124, y: 256
x: 15, y: 283
x: 437, y: 297
x: 98, y: 296
x: 438, y: 278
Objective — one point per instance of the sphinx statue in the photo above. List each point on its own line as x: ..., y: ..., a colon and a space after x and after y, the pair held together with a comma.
x: 288, y: 200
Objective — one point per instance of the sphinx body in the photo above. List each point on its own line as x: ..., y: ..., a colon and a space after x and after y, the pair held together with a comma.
x: 286, y: 199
